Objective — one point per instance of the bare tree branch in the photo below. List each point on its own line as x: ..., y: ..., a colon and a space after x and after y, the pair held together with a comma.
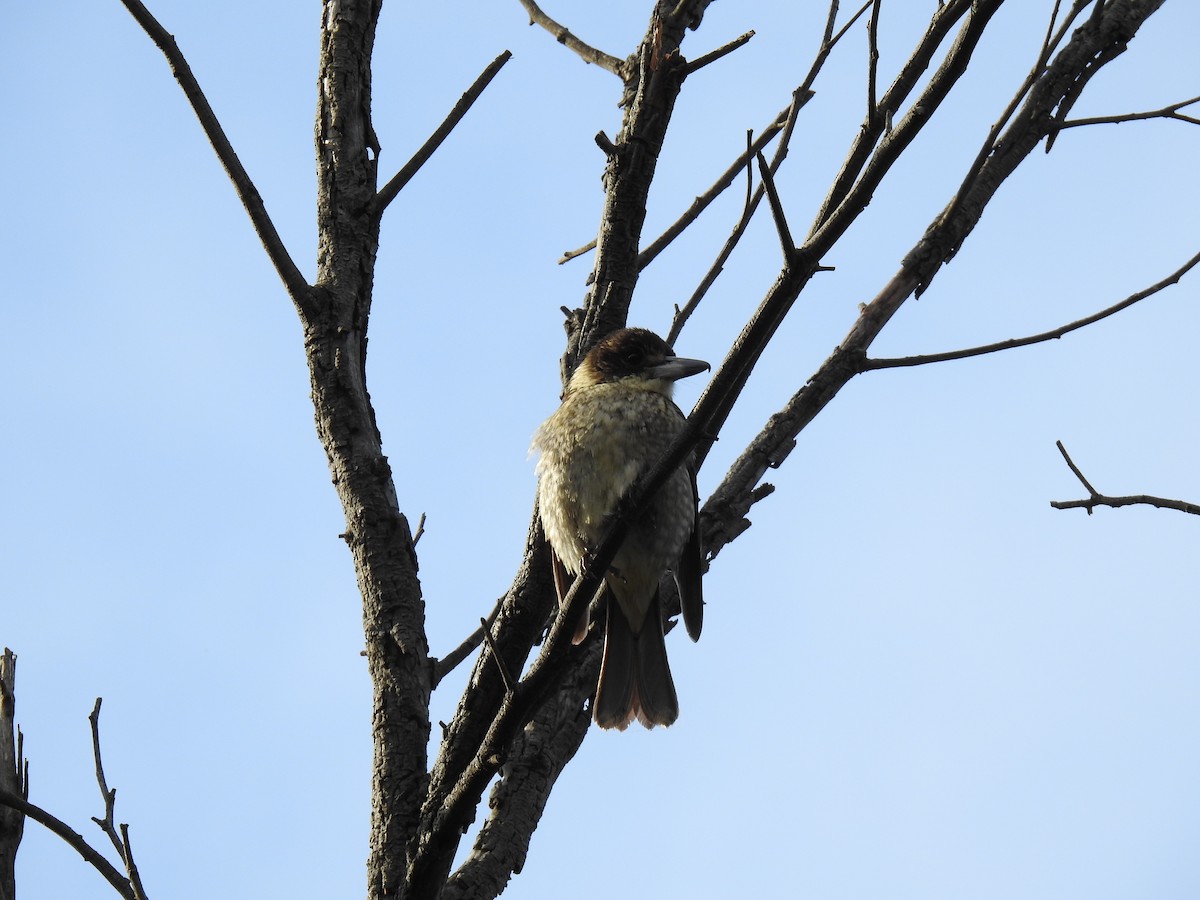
x: 377, y: 533
x: 536, y: 758
x: 872, y: 61
x: 119, y: 840
x: 1049, y: 44
x: 562, y: 34
x: 653, y: 78
x: 297, y: 286
x: 735, y: 370
x: 448, y: 663
x: 1095, y: 498
x: 569, y: 255
x: 781, y: 226
x: 397, y: 182
x: 73, y: 838
x: 785, y: 122
x: 522, y: 620
x: 702, y: 202
x: 800, y: 97
x: 1167, y: 112
x: 1054, y: 334
x: 712, y: 56
x: 723, y: 515
x: 943, y: 19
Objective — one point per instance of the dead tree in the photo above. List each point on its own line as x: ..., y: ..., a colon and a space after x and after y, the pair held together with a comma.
x: 522, y: 716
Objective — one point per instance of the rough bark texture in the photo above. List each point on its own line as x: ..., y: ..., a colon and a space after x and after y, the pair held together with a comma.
x: 335, y: 331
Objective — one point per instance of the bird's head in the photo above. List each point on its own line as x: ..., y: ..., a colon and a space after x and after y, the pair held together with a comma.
x: 637, y: 356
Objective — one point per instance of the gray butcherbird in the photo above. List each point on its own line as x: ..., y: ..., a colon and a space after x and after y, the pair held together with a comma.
x: 615, y: 422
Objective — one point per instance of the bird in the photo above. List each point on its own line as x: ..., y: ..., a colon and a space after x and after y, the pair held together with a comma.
x: 615, y: 421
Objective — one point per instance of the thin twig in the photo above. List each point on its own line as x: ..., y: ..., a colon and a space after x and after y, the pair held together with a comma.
x: 135, y: 877
x: 500, y: 663
x: 119, y: 841
x: 800, y: 97
x: 110, y: 796
x: 702, y: 202
x: 872, y: 61
x: 297, y: 287
x: 1012, y: 343
x: 830, y: 22
x: 782, y: 123
x: 446, y: 664
x: 569, y: 255
x: 586, y: 52
x: 1167, y: 112
x: 1074, y: 468
x: 712, y: 56
x: 420, y: 530
x: 397, y: 182
x: 749, y: 172
x: 1095, y: 498
x: 781, y: 225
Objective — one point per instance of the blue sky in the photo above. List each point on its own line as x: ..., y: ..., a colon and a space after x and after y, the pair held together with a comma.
x: 917, y: 680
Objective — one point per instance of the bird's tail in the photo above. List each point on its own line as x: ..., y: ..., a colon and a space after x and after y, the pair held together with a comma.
x: 635, y: 679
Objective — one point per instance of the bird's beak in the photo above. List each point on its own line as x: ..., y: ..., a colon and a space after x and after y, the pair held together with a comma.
x: 675, y: 367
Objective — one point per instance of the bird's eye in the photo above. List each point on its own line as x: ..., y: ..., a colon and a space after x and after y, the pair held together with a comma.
x: 632, y: 358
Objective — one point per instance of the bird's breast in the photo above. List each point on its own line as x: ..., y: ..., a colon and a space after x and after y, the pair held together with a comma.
x: 593, y: 448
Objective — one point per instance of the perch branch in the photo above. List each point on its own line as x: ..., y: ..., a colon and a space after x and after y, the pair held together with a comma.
x: 547, y: 671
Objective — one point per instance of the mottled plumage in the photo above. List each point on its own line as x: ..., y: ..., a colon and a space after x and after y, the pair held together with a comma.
x: 615, y: 422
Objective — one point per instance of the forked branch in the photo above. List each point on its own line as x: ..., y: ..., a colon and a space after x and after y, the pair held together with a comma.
x: 1167, y: 112
x: 74, y: 839
x: 130, y: 886
x: 120, y: 840
x: 1095, y: 498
